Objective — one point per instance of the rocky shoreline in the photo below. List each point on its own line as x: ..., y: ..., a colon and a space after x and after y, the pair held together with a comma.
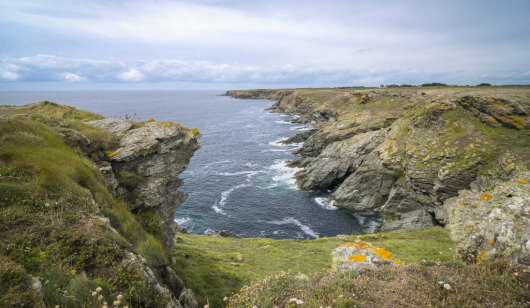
x: 405, y: 152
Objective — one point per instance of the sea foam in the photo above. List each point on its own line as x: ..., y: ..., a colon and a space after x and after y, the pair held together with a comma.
x: 325, y: 204
x: 290, y: 220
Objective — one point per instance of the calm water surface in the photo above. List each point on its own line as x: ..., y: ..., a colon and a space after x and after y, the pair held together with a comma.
x: 237, y: 180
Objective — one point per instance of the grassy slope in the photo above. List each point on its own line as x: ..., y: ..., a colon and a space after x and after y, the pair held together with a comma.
x: 207, y: 262
x: 50, y: 195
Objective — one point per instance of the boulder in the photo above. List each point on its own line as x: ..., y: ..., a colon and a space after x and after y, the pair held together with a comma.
x: 221, y: 233
x: 493, y: 223
x: 360, y: 255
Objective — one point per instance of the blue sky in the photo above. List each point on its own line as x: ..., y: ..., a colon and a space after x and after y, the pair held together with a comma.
x: 228, y: 44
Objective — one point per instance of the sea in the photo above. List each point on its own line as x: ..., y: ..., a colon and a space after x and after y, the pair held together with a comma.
x: 238, y: 180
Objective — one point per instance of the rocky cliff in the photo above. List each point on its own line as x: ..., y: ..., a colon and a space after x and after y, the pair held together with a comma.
x: 86, y: 209
x: 404, y: 152
x: 146, y: 165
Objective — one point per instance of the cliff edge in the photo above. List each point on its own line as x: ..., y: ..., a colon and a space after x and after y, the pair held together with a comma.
x: 146, y: 166
x: 403, y: 152
x: 86, y: 209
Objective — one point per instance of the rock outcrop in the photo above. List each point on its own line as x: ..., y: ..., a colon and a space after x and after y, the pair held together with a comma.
x: 360, y: 255
x: 402, y: 152
x: 147, y: 164
x: 490, y: 220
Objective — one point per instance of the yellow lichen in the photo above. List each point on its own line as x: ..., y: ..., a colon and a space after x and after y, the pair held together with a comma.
x: 459, y: 244
x: 195, y: 131
x: 168, y: 123
x: 385, y: 254
x: 398, y: 262
x: 486, y: 196
x: 357, y: 258
x: 491, y: 242
x: 523, y: 181
x: 481, y: 256
x: 151, y: 120
x: 363, y: 245
x: 111, y: 154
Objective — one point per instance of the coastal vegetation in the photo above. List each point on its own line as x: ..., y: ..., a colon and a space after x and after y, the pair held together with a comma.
x: 80, y: 226
x: 211, y: 268
x: 63, y: 234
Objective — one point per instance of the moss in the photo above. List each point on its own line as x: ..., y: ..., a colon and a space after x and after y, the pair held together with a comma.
x: 128, y: 179
x: 15, y: 288
x: 149, y: 221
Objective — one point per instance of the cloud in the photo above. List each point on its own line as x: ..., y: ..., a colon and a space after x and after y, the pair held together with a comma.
x: 264, y: 41
x: 50, y: 68
x: 71, y: 77
x: 131, y: 75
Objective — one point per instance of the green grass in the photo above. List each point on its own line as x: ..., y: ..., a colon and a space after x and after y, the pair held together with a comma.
x: 49, y: 196
x: 487, y: 284
x: 206, y: 262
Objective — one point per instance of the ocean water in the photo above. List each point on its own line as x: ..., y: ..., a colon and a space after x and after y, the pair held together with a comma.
x: 238, y: 180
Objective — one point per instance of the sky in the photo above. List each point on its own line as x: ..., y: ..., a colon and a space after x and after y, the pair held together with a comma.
x: 232, y: 44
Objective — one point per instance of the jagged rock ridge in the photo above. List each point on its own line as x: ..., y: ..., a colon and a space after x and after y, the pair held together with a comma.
x: 402, y: 152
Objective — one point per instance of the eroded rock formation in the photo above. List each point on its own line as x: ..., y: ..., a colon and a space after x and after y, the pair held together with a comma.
x: 147, y: 164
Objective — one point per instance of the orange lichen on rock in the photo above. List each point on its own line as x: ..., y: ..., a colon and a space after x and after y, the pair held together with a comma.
x: 398, y: 262
x: 523, y: 181
x: 486, y: 196
x: 357, y: 258
x: 363, y: 245
x: 195, y: 131
x: 151, y: 120
x: 111, y: 154
x: 385, y: 254
x: 168, y: 123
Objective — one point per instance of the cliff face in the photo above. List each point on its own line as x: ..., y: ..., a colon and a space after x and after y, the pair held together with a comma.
x: 66, y: 240
x: 404, y: 152
x: 147, y: 164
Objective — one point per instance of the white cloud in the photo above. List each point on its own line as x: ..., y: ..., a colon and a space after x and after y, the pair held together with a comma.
x: 71, y: 77
x: 131, y: 75
x: 7, y: 75
x: 50, y: 68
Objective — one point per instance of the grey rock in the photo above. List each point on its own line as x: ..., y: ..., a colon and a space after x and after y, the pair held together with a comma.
x: 494, y: 223
x: 300, y: 137
x: 117, y: 126
x: 110, y: 179
x: 221, y: 233
x: 401, y: 199
x: 137, y: 264
x: 187, y: 299
x: 410, y: 220
x: 337, y: 161
x: 158, y: 152
x: 367, y: 188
